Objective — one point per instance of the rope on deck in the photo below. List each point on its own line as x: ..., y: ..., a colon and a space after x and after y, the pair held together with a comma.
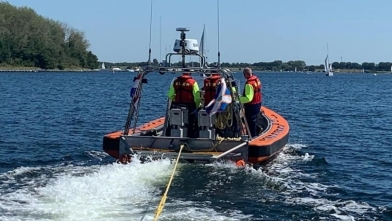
x: 225, y: 119
x: 163, y: 199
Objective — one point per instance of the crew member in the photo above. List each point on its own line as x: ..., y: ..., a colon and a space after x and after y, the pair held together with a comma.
x: 210, y: 86
x: 251, y: 99
x: 185, y: 92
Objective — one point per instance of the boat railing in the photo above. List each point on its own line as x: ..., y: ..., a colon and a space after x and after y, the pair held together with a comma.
x: 202, y: 58
x: 224, y: 72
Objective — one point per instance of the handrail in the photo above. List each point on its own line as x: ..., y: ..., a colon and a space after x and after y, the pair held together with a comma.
x: 231, y: 150
x: 202, y: 57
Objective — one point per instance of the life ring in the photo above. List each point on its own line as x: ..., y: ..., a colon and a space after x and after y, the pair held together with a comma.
x: 125, y: 159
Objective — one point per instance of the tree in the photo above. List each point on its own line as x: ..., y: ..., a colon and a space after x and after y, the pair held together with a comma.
x: 92, y: 60
x: 312, y: 68
x: 28, y: 39
x: 355, y: 65
x: 368, y: 65
x: 336, y: 65
x: 384, y: 66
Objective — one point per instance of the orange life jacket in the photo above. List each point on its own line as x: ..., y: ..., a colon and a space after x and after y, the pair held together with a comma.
x: 210, y: 85
x: 256, y: 84
x: 183, y: 87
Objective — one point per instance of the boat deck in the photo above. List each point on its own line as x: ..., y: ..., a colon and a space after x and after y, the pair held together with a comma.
x: 147, y: 140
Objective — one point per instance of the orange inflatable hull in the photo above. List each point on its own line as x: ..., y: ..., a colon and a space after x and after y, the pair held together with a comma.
x: 261, y: 148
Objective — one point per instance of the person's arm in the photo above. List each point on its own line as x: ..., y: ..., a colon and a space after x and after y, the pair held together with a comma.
x: 196, y: 94
x: 171, y: 94
x: 249, y: 93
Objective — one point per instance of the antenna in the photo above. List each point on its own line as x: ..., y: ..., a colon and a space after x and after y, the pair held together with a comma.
x: 202, y: 40
x: 160, y: 39
x: 149, y: 50
x: 217, y: 1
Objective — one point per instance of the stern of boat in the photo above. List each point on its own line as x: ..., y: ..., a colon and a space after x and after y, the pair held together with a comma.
x: 193, y: 149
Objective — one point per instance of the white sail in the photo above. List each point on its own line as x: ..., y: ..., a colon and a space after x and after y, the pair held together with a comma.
x: 103, y: 66
x: 202, y: 49
x: 326, y: 66
x: 201, y: 46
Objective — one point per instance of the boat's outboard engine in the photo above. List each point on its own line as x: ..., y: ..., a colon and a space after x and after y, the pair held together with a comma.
x: 206, y: 125
x: 178, y: 122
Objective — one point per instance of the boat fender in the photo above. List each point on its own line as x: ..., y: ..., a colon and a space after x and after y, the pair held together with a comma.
x: 240, y: 163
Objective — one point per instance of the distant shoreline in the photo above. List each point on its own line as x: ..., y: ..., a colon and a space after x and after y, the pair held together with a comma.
x: 44, y: 70
x: 36, y: 69
x: 345, y: 71
x: 233, y: 69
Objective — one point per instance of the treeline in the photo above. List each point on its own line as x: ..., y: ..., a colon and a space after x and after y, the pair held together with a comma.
x: 278, y: 65
x: 371, y: 66
x: 30, y: 40
x: 301, y: 66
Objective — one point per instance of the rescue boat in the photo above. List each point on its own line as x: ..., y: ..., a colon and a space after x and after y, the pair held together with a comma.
x: 221, y: 134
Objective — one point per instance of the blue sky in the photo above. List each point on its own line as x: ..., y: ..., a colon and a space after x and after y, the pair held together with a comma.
x: 250, y: 30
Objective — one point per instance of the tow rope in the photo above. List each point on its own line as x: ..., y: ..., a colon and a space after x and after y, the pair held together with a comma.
x: 163, y: 199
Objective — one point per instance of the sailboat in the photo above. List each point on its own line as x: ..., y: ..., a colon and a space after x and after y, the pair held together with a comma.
x: 328, y: 67
x: 103, y: 66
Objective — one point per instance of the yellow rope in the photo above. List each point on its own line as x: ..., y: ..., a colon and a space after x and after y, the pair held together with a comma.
x: 225, y: 119
x: 163, y: 199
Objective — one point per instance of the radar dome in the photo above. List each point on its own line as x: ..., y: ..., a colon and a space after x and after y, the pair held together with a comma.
x: 191, y: 46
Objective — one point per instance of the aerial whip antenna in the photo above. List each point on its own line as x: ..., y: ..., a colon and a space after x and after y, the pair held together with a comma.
x: 218, y: 34
x: 160, y: 38
x: 149, y: 50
